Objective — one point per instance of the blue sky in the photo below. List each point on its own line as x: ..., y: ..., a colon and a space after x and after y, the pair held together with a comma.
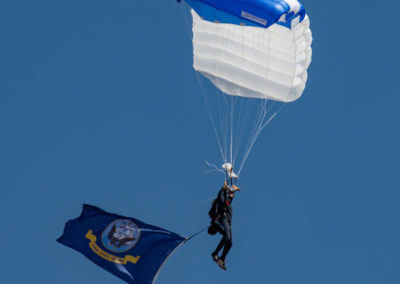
x: 99, y: 104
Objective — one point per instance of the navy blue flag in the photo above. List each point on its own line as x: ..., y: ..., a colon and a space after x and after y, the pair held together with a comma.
x: 126, y: 247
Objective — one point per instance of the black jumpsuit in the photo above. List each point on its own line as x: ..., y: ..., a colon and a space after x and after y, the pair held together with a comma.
x: 224, y: 222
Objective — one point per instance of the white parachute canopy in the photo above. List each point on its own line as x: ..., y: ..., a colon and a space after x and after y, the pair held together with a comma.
x: 251, y: 61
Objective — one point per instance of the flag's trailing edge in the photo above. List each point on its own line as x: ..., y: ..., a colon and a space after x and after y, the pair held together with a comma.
x: 128, y: 248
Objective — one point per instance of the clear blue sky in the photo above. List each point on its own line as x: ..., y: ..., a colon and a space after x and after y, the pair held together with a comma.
x: 99, y: 104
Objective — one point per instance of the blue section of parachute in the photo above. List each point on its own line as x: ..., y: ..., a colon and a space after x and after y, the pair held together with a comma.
x: 259, y: 13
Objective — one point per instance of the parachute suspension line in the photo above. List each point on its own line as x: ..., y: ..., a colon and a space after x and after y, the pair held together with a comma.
x: 255, y: 124
x: 227, y: 106
x: 204, y: 94
x: 215, y: 168
x: 262, y: 112
x: 243, y: 116
x: 275, y: 113
x: 259, y: 128
x: 234, y: 131
x: 223, y: 121
x: 231, y: 131
x: 232, y: 118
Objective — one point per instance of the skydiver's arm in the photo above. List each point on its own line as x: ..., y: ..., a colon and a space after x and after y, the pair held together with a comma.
x: 222, y: 198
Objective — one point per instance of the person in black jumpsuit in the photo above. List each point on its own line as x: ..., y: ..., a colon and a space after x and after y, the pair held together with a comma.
x: 223, y: 222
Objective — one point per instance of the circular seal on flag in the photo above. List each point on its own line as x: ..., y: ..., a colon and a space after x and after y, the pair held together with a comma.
x: 120, y: 235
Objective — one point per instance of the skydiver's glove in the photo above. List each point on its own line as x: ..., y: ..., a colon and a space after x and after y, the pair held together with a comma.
x: 236, y: 188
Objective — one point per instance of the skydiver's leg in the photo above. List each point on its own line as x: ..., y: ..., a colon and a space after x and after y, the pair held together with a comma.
x: 226, y: 235
x: 228, y: 240
x: 219, y: 247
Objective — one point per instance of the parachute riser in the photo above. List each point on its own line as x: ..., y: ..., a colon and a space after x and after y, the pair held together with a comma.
x: 230, y: 177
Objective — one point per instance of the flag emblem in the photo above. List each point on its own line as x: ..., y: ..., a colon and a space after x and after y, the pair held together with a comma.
x: 120, y: 235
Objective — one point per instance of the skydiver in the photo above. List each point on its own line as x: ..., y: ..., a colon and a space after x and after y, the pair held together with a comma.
x: 222, y: 221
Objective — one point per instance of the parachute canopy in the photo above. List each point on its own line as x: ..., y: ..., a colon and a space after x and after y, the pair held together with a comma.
x: 252, y: 48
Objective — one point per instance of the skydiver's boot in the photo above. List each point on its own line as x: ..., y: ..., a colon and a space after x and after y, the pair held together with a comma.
x: 221, y: 263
